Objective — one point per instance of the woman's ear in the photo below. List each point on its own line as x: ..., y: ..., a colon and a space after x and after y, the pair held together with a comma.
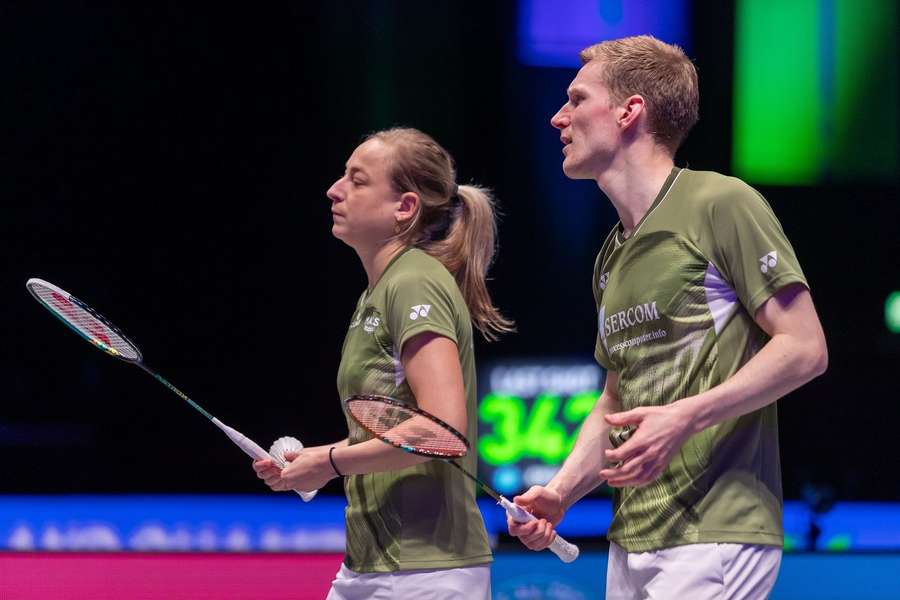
x: 406, y: 210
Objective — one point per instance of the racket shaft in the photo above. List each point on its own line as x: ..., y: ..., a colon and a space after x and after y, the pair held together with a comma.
x: 254, y: 450
x: 174, y: 389
x: 250, y: 447
x: 566, y: 551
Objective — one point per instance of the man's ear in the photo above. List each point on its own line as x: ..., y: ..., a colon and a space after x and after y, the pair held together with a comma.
x: 632, y: 109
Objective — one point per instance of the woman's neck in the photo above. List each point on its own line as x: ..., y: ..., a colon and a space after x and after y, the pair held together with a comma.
x: 376, y: 259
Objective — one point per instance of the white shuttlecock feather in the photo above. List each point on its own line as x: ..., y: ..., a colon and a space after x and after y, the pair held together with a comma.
x: 283, y: 445
x: 289, y: 444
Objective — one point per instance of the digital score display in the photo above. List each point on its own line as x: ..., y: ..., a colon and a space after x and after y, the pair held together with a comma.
x: 529, y: 416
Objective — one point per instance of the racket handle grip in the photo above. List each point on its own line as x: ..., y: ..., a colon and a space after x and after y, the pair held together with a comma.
x: 567, y: 552
x: 254, y: 450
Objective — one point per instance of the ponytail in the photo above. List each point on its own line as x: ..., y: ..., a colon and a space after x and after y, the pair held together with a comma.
x: 467, y: 251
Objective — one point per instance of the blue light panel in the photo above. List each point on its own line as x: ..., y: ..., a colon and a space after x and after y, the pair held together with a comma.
x: 551, y: 33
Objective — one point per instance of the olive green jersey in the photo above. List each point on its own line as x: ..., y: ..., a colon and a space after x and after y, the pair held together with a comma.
x: 424, y: 516
x: 675, y: 304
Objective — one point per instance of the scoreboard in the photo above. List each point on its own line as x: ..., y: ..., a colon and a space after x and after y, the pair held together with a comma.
x: 529, y: 416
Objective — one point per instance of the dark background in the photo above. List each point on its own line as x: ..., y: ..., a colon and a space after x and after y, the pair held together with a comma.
x: 168, y: 165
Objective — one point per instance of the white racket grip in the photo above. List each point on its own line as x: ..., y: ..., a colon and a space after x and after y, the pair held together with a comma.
x: 566, y: 551
x: 254, y: 450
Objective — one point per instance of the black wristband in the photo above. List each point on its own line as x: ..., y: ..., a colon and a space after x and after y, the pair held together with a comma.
x: 331, y: 460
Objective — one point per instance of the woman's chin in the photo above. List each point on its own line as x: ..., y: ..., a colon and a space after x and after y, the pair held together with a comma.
x: 341, y: 233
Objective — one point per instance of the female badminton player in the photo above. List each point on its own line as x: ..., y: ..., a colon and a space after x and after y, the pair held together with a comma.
x: 425, y: 242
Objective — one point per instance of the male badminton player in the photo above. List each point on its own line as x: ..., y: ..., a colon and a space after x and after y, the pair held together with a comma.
x: 705, y: 320
x: 413, y: 527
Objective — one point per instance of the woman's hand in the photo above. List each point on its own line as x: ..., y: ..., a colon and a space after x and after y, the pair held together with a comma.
x: 306, y: 471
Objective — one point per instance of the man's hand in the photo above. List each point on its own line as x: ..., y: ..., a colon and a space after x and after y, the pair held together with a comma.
x: 659, y: 434
x: 546, y: 505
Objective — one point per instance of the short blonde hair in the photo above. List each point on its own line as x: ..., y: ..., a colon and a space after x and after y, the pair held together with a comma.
x: 661, y: 73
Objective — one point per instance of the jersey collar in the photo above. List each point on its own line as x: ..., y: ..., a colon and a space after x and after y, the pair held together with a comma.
x: 387, y: 267
x: 663, y: 192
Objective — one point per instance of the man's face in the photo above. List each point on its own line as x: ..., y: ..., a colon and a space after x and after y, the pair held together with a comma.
x: 587, y: 125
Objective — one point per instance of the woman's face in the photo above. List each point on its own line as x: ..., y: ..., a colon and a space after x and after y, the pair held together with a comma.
x: 363, y: 202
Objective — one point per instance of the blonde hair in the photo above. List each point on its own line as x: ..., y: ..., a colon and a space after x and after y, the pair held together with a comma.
x: 454, y: 224
x: 659, y: 72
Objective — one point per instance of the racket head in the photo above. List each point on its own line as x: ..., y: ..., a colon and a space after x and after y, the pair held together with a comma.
x: 84, y: 320
x: 406, y: 427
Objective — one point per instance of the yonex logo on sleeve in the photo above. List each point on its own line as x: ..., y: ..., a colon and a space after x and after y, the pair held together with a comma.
x: 420, y: 310
x: 768, y: 261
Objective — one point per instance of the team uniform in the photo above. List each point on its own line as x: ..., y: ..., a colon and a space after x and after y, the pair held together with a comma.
x: 423, y: 518
x: 675, y: 304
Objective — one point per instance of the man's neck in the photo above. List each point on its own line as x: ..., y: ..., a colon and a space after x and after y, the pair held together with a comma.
x: 633, y: 181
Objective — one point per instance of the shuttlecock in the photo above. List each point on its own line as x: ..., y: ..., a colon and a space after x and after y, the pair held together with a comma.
x: 283, y: 445
x: 289, y: 444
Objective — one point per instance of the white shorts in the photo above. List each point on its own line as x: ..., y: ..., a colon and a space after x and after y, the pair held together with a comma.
x: 465, y: 583
x: 695, y: 571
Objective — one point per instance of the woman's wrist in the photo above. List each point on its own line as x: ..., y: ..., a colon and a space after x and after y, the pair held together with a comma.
x: 331, y: 460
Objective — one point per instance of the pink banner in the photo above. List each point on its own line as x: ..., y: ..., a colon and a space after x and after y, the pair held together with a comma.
x: 38, y: 576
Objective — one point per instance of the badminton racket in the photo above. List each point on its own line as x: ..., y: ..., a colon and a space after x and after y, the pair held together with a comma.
x: 415, y: 430
x: 99, y: 331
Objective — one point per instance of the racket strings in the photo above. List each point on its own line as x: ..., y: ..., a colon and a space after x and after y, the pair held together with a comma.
x: 406, y: 428
x: 85, y: 322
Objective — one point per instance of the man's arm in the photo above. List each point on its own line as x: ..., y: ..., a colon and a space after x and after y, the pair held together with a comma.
x: 578, y: 475
x: 580, y: 472
x: 795, y: 354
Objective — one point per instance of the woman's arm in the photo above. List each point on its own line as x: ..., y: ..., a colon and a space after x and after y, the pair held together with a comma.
x: 431, y: 365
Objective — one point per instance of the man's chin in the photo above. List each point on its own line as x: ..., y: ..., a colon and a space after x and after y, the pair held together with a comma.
x: 574, y: 171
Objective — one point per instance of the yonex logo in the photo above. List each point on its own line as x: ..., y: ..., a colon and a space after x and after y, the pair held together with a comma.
x: 420, y: 310
x: 392, y: 417
x: 604, y: 279
x: 768, y: 261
